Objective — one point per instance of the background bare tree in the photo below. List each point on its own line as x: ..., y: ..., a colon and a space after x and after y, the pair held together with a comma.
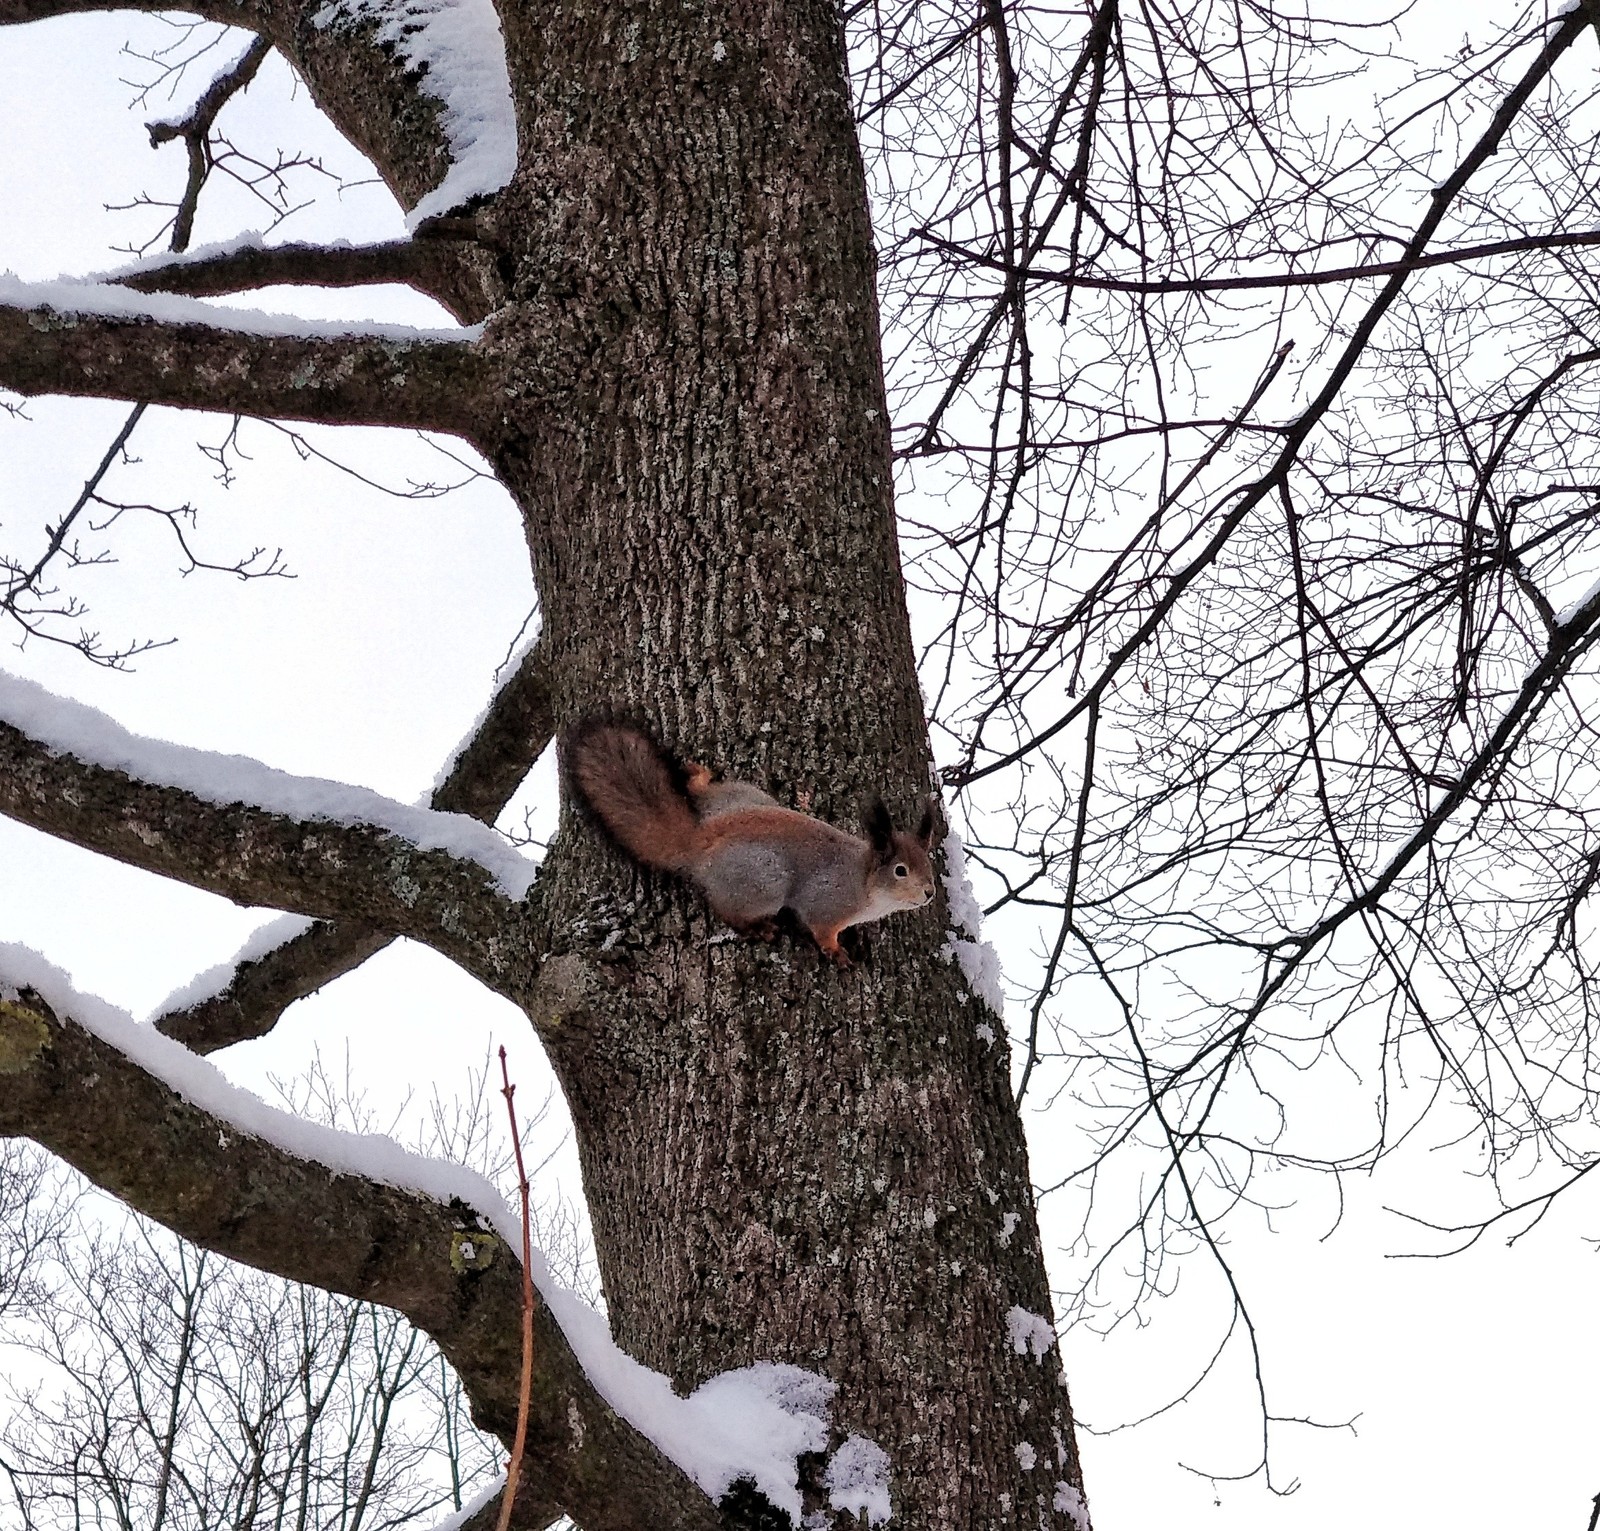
x: 1256, y: 440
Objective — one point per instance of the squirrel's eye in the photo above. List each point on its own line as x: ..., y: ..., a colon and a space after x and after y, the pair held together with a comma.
x: 899, y: 871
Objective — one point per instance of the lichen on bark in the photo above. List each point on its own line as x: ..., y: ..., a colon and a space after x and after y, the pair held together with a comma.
x: 24, y: 1034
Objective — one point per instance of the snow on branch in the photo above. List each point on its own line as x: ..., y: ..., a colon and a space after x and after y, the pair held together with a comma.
x: 246, y: 262
x: 70, y: 728
x: 203, y: 1085
x: 290, y: 958
x: 354, y: 1212
x: 257, y: 835
x: 457, y: 53
x: 15, y: 12
x: 106, y: 341
x: 505, y: 739
x: 69, y: 299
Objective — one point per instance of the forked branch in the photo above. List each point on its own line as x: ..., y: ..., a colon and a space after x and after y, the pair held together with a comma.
x: 513, y: 734
x: 194, y: 128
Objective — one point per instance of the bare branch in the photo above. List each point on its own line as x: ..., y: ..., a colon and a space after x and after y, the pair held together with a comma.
x: 92, y: 341
x: 194, y: 128
x: 513, y: 734
x: 1273, y: 281
x: 24, y: 598
x: 197, y: 1173
x: 1561, y: 36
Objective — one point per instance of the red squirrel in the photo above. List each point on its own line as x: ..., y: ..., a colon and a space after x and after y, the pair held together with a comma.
x: 750, y: 856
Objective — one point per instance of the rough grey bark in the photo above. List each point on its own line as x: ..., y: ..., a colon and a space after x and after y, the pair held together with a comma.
x: 783, y: 1162
x: 429, y: 263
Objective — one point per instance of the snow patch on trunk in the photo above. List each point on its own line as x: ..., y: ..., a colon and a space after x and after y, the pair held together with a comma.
x: 1028, y: 1332
x: 965, y: 944
x: 857, y: 1479
x: 1070, y: 1503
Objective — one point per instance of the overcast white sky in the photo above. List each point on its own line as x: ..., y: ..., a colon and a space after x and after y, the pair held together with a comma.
x: 1469, y: 1380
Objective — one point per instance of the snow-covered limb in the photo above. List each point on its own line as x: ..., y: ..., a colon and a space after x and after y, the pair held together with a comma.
x: 505, y: 740
x: 104, y: 341
x: 245, y: 996
x: 610, y: 1441
x: 241, y: 829
x: 457, y: 53
x: 287, y: 960
x: 430, y: 265
x: 14, y: 12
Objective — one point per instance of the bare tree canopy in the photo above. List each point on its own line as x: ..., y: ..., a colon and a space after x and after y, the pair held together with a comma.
x: 1233, y: 372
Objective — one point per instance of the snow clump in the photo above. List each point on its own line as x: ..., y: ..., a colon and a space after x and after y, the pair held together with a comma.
x: 964, y: 944
x: 458, y: 53
x: 1028, y: 1332
x: 857, y: 1479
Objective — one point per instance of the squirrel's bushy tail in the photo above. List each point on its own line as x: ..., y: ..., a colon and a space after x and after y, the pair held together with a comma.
x: 632, y: 786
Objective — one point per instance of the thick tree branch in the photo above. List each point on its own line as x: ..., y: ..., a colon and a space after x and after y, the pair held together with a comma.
x: 199, y: 1174
x: 430, y: 265
x: 370, y: 91
x: 91, y: 341
x: 362, y: 84
x: 262, y: 988
x: 513, y: 734
x: 314, y: 848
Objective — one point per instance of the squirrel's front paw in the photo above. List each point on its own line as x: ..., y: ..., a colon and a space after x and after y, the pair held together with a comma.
x: 827, y: 939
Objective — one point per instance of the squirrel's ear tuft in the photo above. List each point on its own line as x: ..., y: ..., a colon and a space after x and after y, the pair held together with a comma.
x: 880, y: 829
x: 927, y: 823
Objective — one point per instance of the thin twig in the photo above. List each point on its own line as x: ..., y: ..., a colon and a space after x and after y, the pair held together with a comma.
x: 195, y: 131
x: 514, y: 1466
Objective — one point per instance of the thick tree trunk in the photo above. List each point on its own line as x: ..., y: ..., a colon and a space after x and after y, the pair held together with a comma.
x: 783, y: 1162
x: 681, y: 386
